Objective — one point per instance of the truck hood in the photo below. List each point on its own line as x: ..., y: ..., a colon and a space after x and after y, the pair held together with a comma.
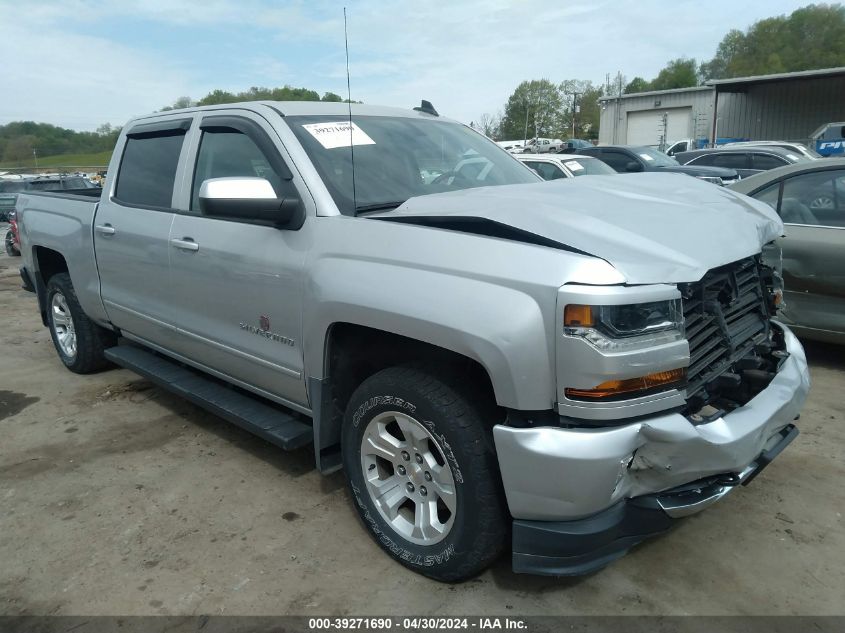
x: 653, y: 228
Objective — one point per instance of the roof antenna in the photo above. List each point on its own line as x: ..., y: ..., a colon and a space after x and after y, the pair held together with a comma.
x: 349, y: 103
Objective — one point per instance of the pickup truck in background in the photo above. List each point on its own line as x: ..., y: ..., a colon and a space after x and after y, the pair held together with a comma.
x: 542, y: 145
x: 829, y: 139
x: 572, y: 364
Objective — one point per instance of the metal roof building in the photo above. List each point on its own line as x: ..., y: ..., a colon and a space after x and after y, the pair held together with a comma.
x: 786, y: 106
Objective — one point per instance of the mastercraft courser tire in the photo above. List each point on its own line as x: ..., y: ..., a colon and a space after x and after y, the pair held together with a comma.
x: 423, y: 474
x: 79, y: 341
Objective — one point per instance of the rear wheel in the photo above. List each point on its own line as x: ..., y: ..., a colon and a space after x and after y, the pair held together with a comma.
x: 423, y: 475
x: 11, y: 249
x: 79, y: 341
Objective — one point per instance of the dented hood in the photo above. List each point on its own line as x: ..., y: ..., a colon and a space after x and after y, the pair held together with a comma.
x: 653, y: 228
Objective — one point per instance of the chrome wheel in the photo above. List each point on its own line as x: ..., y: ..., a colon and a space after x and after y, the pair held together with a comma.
x: 408, y: 478
x: 63, y: 325
x: 822, y: 202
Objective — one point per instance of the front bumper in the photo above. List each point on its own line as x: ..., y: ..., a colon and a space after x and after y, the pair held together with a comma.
x: 564, y: 475
x: 573, y: 548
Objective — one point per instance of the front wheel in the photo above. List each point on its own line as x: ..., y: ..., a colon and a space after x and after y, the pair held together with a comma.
x: 423, y: 475
x: 11, y: 249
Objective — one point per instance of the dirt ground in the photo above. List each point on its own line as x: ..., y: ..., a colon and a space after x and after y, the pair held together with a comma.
x: 119, y: 498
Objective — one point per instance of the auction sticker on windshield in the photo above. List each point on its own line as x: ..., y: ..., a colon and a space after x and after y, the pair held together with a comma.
x: 646, y: 157
x: 574, y: 165
x: 338, y: 134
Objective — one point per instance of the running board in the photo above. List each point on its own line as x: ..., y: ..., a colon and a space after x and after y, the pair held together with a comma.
x: 264, y: 420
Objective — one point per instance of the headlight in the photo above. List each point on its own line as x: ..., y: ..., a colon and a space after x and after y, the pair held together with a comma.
x: 620, y: 326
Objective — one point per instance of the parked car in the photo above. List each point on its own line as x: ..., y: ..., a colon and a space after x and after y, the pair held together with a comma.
x: 12, y: 241
x: 829, y: 139
x: 684, y: 145
x: 555, y: 166
x: 9, y: 189
x: 513, y: 147
x: 746, y: 160
x: 488, y: 360
x: 542, y: 145
x: 573, y: 145
x: 810, y: 198
x: 634, y: 158
x: 795, y: 148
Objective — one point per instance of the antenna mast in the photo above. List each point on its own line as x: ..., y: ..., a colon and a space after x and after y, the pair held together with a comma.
x: 349, y: 104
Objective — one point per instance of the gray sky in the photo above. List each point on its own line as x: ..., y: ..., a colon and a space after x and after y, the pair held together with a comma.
x: 80, y: 63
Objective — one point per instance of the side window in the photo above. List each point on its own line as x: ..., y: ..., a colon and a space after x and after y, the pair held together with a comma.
x: 769, y: 195
x: 617, y: 160
x: 148, y: 169
x: 733, y: 160
x: 816, y: 198
x: 226, y: 152
x: 548, y: 171
x: 74, y: 183
x: 705, y: 160
x: 767, y: 161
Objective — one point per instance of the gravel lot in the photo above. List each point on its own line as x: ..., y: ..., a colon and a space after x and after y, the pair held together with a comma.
x: 118, y: 498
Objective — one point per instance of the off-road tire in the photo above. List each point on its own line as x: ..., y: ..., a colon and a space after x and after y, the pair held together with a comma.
x: 11, y: 249
x: 91, y: 339
x: 480, y: 528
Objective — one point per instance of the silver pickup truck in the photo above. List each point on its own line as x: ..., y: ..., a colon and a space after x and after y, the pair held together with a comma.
x: 571, y: 365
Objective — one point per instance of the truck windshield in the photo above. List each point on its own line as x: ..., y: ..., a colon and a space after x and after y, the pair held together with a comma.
x: 397, y: 158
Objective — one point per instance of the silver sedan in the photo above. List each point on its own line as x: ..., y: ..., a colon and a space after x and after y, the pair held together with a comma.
x: 810, y: 198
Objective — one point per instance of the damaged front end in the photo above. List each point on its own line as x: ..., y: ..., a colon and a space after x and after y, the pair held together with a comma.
x: 615, y: 470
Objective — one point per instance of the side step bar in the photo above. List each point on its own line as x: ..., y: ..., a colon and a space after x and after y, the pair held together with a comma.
x: 264, y: 420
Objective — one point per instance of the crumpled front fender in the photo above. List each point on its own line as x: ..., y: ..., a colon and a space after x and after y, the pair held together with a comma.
x: 562, y: 474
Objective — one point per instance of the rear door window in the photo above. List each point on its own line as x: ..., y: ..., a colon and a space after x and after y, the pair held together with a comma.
x: 733, y: 160
x: 148, y: 169
x: 548, y: 171
x: 46, y: 185
x: 767, y: 161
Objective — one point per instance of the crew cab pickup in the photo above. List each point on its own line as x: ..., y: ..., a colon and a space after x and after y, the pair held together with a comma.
x: 574, y: 364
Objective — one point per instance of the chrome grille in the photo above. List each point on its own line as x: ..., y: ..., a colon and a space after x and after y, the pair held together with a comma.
x: 726, y: 317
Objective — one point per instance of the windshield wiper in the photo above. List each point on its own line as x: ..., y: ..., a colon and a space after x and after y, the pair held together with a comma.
x: 378, y: 206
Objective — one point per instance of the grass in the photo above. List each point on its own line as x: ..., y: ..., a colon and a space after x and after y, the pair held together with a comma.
x: 100, y: 159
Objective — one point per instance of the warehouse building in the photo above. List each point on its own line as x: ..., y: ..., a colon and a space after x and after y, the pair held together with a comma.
x: 787, y: 106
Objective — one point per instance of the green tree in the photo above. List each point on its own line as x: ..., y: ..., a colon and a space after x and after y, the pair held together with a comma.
x: 19, y: 149
x: 589, y: 114
x: 216, y: 97
x: 330, y: 96
x: 533, y: 109
x: 637, y: 84
x: 581, y: 106
x: 809, y: 38
x: 678, y: 73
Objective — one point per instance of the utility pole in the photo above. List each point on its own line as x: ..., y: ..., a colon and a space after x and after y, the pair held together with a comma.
x: 575, y: 109
x: 35, y: 156
x: 525, y: 136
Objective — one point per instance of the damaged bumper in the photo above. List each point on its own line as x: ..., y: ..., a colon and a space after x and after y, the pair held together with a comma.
x: 556, y: 476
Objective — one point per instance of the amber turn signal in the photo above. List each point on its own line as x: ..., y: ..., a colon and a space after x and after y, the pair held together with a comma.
x: 575, y: 315
x: 629, y: 385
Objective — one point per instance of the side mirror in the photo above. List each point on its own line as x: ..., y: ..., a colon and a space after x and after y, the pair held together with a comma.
x: 633, y: 166
x: 246, y: 198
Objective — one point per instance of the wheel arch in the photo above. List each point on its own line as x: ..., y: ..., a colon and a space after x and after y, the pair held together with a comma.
x: 46, y: 263
x: 353, y: 352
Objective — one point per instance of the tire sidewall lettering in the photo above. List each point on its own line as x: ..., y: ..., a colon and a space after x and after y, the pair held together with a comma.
x: 406, y: 555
